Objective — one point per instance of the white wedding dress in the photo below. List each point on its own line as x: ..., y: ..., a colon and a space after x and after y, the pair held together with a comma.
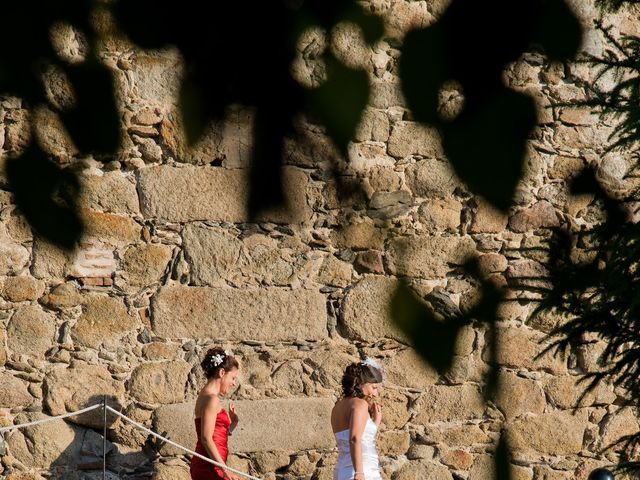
x: 344, y: 468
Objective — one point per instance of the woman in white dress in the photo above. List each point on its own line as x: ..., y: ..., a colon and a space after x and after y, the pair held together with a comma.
x: 354, y: 420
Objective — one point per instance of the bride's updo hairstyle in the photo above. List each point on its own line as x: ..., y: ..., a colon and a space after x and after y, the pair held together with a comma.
x: 357, y: 374
x: 216, y: 359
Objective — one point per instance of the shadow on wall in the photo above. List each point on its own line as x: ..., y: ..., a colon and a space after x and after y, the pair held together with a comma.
x: 494, y: 119
x: 594, y: 289
x: 72, y: 449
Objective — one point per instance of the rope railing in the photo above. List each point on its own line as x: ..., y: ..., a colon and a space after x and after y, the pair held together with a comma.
x: 106, y: 408
x: 50, y: 419
x: 177, y: 445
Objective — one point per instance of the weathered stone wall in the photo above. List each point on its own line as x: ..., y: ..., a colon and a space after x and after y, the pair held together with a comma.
x: 170, y: 266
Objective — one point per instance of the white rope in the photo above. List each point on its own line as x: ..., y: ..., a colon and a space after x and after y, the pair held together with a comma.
x: 138, y: 425
x: 195, y: 454
x: 50, y: 419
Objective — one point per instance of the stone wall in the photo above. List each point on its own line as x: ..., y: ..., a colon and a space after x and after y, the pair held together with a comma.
x: 170, y: 266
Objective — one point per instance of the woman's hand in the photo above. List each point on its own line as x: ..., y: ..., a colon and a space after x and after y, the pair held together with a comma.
x: 376, y: 413
x: 358, y: 476
x: 233, y: 416
x: 230, y: 476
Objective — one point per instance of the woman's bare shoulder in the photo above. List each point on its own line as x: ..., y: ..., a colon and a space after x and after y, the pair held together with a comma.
x: 206, y: 401
x: 210, y: 399
x: 358, y: 404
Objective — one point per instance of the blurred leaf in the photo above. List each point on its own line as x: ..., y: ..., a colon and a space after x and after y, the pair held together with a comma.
x: 340, y: 101
x: 266, y: 189
x: 372, y: 25
x: 194, y: 116
x: 486, y: 311
x: 486, y: 144
x: 26, y: 29
x: 585, y: 182
x: 480, y: 38
x: 327, y: 14
x: 93, y: 122
x: 46, y: 195
x: 232, y: 58
x: 433, y: 338
x: 558, y: 31
x: 161, y: 17
x: 423, y: 69
x: 502, y: 459
x: 26, y: 37
x: 18, y: 66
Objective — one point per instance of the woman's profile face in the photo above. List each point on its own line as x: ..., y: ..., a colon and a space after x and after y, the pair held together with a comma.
x: 228, y: 380
x: 371, y: 390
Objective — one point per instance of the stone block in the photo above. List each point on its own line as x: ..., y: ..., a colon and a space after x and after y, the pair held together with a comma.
x: 13, y: 393
x: 413, y: 138
x: 427, y: 256
x: 104, y: 321
x: 144, y: 264
x: 31, y: 331
x: 263, y: 314
x: 422, y: 469
x: 22, y: 288
x: 431, y: 178
x: 517, y: 395
x: 518, y: 348
x: 365, y: 314
x: 43, y: 445
x: 159, y: 382
x: 443, y: 403
x: 111, y: 192
x: 70, y: 389
x: 554, y: 433
x: 204, y: 193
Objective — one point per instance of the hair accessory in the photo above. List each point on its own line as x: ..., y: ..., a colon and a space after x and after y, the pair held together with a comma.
x: 372, y: 363
x: 217, y: 359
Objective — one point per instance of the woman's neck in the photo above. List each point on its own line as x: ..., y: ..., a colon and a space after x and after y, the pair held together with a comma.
x: 213, y: 386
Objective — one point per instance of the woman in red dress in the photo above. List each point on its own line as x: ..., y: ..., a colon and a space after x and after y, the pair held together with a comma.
x: 213, y: 423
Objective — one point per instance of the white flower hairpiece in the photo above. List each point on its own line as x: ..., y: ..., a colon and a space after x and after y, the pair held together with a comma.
x: 372, y: 363
x: 217, y: 359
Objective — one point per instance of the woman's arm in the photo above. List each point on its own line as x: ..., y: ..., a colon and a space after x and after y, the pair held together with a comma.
x: 233, y: 416
x: 357, y: 422
x: 207, y: 426
x: 376, y: 413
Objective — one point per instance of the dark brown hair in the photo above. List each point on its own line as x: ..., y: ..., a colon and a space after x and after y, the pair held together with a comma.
x: 216, y: 359
x: 357, y: 374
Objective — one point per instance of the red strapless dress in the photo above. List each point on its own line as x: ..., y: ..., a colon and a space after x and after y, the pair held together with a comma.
x: 201, y: 470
